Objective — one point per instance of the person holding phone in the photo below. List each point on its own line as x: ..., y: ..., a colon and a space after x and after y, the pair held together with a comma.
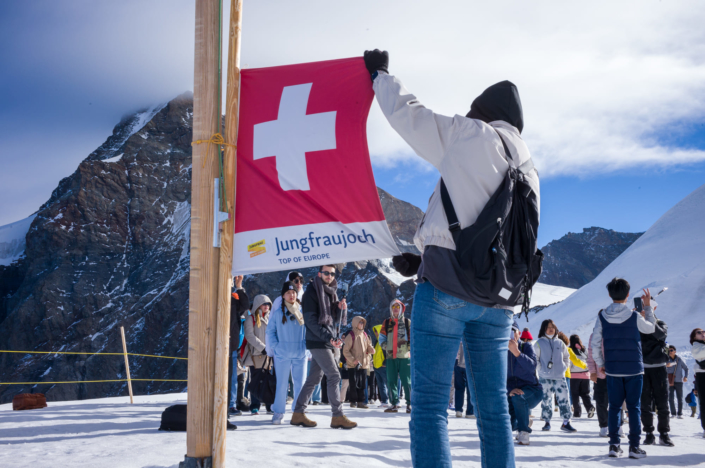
x: 618, y: 327
x: 524, y: 392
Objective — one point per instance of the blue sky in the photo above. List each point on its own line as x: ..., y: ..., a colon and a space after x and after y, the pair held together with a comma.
x: 613, y: 93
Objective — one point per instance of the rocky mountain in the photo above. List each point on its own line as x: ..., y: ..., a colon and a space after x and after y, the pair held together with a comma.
x: 577, y: 258
x: 110, y: 249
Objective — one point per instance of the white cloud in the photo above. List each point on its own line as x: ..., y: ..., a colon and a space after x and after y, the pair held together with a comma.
x: 600, y: 82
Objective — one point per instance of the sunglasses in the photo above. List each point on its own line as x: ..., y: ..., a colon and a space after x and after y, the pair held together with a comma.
x: 297, y: 280
x: 328, y: 273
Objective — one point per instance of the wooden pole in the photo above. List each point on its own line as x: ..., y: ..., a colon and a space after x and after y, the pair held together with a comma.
x: 220, y: 404
x: 127, y: 364
x: 203, y: 284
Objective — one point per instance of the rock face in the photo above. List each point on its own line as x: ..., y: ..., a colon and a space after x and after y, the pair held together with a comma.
x: 110, y: 248
x: 577, y: 258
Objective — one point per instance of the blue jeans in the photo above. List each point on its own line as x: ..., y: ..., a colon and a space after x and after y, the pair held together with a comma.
x: 233, y: 381
x: 620, y: 389
x: 283, y: 368
x: 461, y: 389
x: 439, y: 323
x: 520, y: 407
x: 381, y: 376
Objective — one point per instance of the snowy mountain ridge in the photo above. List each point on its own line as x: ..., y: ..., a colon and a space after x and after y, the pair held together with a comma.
x: 12, y: 240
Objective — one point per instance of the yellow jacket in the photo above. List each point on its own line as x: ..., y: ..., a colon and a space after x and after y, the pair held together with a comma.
x: 575, y: 361
x: 378, y: 360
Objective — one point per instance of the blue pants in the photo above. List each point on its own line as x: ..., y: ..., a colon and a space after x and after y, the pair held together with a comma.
x: 461, y: 388
x: 440, y: 322
x: 381, y: 376
x: 233, y: 381
x: 520, y: 407
x: 620, y: 389
x: 298, y: 370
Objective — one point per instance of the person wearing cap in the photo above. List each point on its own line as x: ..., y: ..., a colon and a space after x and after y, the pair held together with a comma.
x: 524, y: 392
x: 395, y: 339
x: 286, y: 343
x: 255, y: 355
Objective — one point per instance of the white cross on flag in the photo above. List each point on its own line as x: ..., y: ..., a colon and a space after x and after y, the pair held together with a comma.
x: 306, y: 195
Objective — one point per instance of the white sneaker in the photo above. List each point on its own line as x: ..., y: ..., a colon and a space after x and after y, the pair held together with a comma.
x: 469, y: 416
x: 277, y: 419
x: 383, y: 405
x: 523, y: 438
x: 680, y: 416
x: 458, y: 414
x: 604, y: 432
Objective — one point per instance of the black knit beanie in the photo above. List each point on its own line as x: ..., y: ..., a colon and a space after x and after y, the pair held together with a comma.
x: 288, y: 286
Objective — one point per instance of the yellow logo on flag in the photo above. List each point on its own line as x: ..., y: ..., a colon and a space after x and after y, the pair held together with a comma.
x: 257, y: 248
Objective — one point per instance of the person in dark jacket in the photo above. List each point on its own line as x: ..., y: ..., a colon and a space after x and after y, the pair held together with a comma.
x: 239, y: 304
x: 524, y: 391
x: 324, y: 314
x: 677, y: 374
x: 655, y: 389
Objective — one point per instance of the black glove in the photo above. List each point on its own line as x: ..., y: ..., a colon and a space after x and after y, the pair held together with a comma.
x: 407, y: 264
x: 376, y: 60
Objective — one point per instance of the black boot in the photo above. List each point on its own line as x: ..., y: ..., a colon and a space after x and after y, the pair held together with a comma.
x: 663, y: 439
x: 650, y: 439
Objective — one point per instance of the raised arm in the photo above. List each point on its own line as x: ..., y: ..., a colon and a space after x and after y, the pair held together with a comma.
x: 429, y: 134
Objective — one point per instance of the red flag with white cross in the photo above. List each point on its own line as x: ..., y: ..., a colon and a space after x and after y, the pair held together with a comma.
x: 306, y: 195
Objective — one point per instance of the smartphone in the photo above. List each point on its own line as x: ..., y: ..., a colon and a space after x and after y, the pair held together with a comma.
x: 637, y: 304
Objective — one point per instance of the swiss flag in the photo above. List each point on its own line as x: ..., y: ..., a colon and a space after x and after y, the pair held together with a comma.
x: 303, y: 162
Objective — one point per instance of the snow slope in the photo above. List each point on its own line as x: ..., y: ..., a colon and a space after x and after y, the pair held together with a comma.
x: 546, y: 294
x: 12, y: 240
x: 112, y: 433
x: 670, y: 254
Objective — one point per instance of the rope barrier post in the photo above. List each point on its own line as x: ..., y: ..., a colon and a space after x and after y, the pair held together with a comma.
x: 221, y: 397
x: 127, y: 364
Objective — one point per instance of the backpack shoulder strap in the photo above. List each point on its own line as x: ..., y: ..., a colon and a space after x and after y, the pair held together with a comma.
x: 525, y: 168
x: 453, y: 223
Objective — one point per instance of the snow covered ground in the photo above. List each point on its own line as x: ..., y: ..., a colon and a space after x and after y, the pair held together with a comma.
x: 112, y: 433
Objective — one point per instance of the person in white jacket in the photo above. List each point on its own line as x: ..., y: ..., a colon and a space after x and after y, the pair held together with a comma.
x: 616, y: 350
x: 469, y: 154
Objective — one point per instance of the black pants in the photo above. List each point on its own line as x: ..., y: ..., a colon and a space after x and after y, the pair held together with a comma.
x: 372, y: 387
x: 700, y: 386
x: 324, y: 390
x: 358, y: 382
x: 580, y: 390
x: 655, y: 391
x: 601, y: 401
x: 676, y: 390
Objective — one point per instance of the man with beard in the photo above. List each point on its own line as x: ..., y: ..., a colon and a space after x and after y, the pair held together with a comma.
x: 323, y: 317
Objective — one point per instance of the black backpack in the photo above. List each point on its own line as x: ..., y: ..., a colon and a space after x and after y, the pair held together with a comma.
x: 174, y: 419
x: 498, y: 254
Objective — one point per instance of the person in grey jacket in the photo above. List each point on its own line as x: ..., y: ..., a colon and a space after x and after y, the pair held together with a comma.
x: 679, y: 370
x: 554, y: 359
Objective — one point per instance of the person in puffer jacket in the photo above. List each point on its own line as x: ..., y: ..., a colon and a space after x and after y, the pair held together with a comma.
x: 286, y: 343
x: 554, y: 360
x: 619, y: 328
x: 524, y: 392
x: 579, y: 377
x: 357, y: 349
x: 697, y: 340
x: 395, y: 339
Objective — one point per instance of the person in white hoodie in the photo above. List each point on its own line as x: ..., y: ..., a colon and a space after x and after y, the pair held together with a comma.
x: 697, y: 340
x: 469, y: 153
x: 618, y: 328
